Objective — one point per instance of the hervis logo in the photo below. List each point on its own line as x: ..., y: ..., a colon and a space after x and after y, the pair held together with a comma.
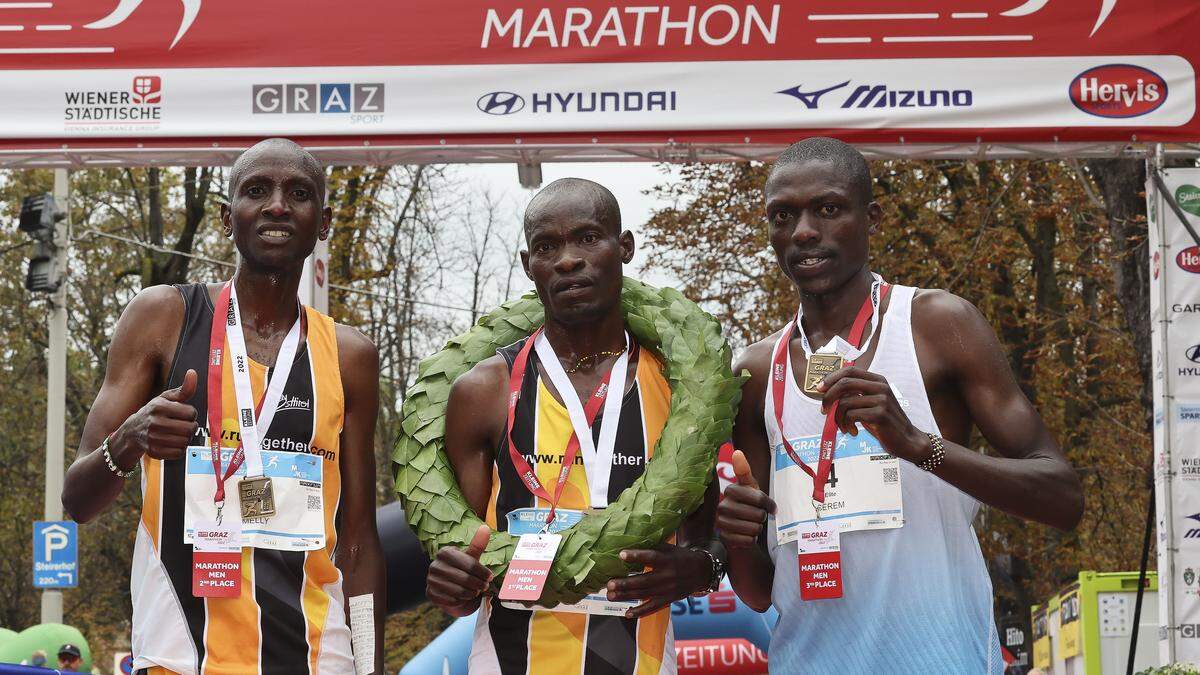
x: 1118, y: 90
x: 1188, y: 198
x: 1189, y: 259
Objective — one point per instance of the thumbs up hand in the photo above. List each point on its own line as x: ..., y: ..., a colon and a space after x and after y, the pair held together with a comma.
x: 741, y: 469
x: 456, y: 578
x: 183, y: 393
x: 743, y: 509
x: 479, y: 541
x: 162, y: 428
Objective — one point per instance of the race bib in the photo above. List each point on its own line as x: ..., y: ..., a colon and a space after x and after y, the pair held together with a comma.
x: 863, y: 492
x: 296, y: 478
x: 531, y: 521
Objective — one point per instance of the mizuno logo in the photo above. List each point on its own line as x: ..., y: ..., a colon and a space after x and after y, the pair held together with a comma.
x: 811, y: 99
x: 1193, y: 532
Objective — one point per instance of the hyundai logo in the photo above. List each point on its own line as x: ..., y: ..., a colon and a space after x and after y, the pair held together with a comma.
x: 500, y: 103
x: 1193, y: 353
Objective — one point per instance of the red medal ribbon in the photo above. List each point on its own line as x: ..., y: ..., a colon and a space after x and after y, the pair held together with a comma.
x: 222, y: 317
x: 527, y: 473
x: 829, y: 432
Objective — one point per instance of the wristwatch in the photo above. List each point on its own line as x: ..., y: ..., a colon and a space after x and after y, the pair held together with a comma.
x: 718, y: 572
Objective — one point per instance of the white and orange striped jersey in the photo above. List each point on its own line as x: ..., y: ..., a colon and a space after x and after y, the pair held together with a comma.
x: 290, y: 617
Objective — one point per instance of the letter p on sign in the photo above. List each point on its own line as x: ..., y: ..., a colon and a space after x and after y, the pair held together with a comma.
x: 56, y: 539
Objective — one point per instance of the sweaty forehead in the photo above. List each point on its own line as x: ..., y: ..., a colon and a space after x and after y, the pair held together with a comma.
x: 274, y: 159
x: 567, y: 211
x: 807, y: 178
x: 277, y: 160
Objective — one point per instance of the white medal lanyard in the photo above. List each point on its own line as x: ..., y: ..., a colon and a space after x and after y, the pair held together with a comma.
x: 836, y: 344
x: 252, y: 429
x: 597, y: 460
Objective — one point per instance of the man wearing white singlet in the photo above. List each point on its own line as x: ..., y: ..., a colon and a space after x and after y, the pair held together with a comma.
x: 870, y: 556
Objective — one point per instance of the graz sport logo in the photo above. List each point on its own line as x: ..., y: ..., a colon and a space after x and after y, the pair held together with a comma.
x: 500, y: 103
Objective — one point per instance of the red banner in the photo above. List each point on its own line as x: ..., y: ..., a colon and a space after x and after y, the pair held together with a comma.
x: 454, y: 72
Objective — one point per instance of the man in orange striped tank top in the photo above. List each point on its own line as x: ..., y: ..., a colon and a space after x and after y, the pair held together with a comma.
x: 251, y: 419
x: 576, y: 250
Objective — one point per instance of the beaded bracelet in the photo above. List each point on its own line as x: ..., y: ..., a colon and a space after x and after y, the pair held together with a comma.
x: 939, y: 453
x: 112, y: 466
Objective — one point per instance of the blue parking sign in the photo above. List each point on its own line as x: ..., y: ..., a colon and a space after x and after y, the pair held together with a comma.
x: 55, y: 554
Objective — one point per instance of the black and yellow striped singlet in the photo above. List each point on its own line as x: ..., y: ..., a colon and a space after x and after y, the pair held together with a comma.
x: 519, y: 642
x: 289, y: 618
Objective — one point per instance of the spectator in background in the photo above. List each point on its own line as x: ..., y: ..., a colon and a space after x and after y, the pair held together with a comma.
x: 38, y: 659
x: 70, y: 659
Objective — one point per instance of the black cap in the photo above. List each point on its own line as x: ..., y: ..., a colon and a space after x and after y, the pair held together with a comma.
x: 70, y: 649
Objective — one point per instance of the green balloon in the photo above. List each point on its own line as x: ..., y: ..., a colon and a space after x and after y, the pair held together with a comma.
x: 6, y: 635
x: 47, y: 637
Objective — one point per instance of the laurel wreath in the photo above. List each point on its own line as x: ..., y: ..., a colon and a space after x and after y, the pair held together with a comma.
x: 704, y: 398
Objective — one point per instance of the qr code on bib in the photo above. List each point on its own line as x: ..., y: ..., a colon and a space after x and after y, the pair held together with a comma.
x: 891, y: 475
x: 314, y: 502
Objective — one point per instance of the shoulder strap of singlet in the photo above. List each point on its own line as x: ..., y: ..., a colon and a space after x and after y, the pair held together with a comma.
x: 321, y: 344
x: 896, y: 330
x: 528, y: 389
x: 196, y: 302
x: 197, y: 317
x: 510, y: 352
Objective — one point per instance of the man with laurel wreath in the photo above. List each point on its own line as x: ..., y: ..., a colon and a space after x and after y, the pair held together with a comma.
x: 856, y: 420
x: 545, y: 402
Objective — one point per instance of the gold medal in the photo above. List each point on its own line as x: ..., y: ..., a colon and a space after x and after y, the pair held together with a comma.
x: 818, y: 368
x: 257, y: 497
